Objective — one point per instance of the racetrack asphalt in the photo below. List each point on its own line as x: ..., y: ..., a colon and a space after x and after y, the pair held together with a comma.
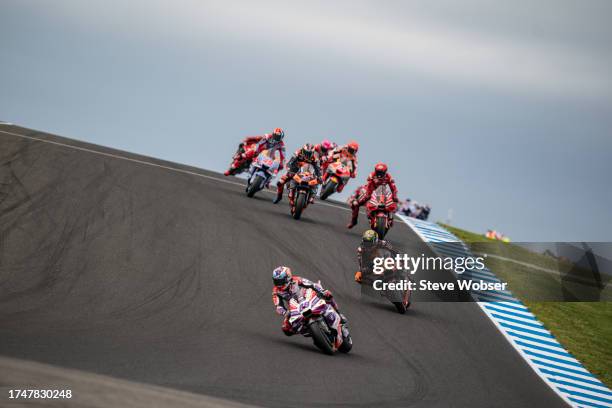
x: 160, y: 273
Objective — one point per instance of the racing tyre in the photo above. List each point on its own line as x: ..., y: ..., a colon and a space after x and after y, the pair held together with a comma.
x: 254, y: 186
x: 401, y: 308
x: 347, y: 344
x: 320, y: 338
x: 300, y: 203
x: 328, y: 189
x: 380, y: 227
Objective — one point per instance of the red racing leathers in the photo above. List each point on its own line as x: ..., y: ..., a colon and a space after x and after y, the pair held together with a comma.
x: 245, y: 154
x: 339, y: 153
x: 372, y: 183
x: 281, y: 298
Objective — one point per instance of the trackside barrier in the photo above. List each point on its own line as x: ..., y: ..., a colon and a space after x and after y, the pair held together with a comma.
x: 555, y: 365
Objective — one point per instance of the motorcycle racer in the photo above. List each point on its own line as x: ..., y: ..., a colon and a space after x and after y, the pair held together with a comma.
x: 287, y: 287
x: 324, y: 149
x: 369, y: 240
x: 244, y: 155
x: 347, y: 152
x: 304, y: 155
x: 377, y: 178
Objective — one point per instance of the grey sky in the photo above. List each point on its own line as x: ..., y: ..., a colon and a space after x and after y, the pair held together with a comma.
x: 499, y: 110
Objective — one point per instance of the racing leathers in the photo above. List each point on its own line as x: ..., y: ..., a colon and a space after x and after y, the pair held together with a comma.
x: 250, y: 147
x: 372, y: 184
x: 339, y: 153
x: 293, y: 166
x: 281, y: 298
x: 381, y: 243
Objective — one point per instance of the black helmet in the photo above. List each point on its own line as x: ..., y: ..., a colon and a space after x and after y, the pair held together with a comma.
x: 308, y: 150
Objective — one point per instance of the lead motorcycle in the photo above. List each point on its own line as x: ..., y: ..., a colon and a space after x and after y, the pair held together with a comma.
x: 311, y: 316
x: 337, y: 173
x: 380, y: 209
x: 302, y: 189
x: 261, y: 171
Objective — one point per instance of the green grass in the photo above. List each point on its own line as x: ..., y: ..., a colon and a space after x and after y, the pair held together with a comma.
x: 583, y: 328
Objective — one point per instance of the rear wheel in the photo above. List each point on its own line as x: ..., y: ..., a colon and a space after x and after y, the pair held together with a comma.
x: 328, y: 189
x: 381, y: 226
x: 300, y: 203
x: 254, y: 186
x: 320, y: 337
x: 401, y: 307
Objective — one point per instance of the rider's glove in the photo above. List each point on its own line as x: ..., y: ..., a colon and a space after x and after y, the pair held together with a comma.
x: 326, y: 294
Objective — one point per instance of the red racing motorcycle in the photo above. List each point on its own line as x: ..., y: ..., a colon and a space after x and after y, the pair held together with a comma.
x: 337, y: 173
x: 380, y: 209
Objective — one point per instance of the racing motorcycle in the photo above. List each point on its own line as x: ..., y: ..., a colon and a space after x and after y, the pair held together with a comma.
x: 400, y: 295
x: 249, y: 152
x: 302, y: 188
x: 261, y: 171
x: 380, y: 209
x: 337, y: 173
x: 311, y: 316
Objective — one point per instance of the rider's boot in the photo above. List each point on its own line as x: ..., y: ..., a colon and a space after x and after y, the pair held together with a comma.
x: 358, y: 276
x: 280, y: 187
x: 286, y: 327
x: 354, y: 215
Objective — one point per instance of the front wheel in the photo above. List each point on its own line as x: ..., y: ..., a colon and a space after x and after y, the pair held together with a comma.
x: 380, y: 226
x: 300, y: 203
x: 328, y: 189
x: 254, y: 186
x: 347, y: 344
x: 320, y: 337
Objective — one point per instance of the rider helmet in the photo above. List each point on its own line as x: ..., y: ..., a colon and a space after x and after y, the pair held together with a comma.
x: 281, y: 276
x: 278, y: 134
x: 326, y: 145
x: 308, y: 151
x: 352, y: 147
x: 380, y: 170
x: 370, y: 236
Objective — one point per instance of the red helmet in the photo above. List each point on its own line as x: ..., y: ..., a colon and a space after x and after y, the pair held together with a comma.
x: 278, y: 134
x: 352, y: 147
x: 380, y: 170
